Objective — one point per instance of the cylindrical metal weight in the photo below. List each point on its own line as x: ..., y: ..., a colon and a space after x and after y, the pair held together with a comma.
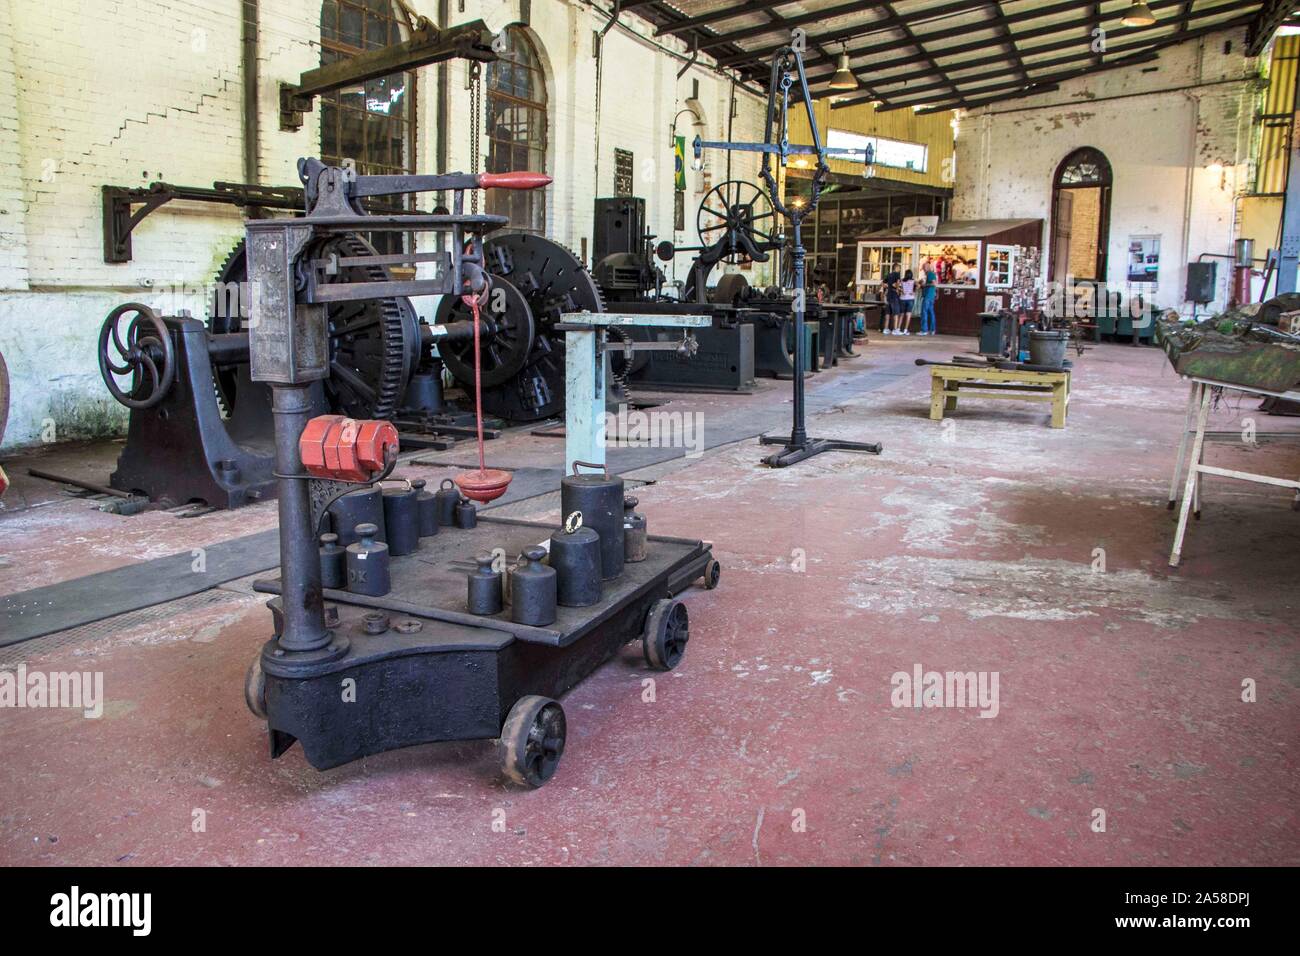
x: 333, y: 563
x: 428, y: 508
x: 575, y: 558
x: 600, y: 499
x: 446, y: 498
x: 532, y: 591
x: 484, y: 587
x: 634, y: 531
x: 402, y: 519
x: 368, y: 563
x: 466, y: 515
x: 363, y: 506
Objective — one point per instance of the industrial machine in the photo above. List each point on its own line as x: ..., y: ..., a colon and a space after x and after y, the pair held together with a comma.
x: 751, y: 334
x: 430, y: 637
x: 201, y: 428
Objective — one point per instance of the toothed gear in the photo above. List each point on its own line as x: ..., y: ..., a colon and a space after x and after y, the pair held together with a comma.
x: 374, y: 343
x: 553, y: 282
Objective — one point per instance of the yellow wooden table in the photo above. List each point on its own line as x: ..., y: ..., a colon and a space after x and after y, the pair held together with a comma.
x: 947, y: 382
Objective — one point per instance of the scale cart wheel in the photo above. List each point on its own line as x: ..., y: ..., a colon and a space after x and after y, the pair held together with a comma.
x: 712, y: 574
x: 533, y: 738
x: 255, y: 688
x: 667, y: 629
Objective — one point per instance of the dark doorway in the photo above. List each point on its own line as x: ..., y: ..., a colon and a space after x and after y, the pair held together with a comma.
x: 1081, y: 216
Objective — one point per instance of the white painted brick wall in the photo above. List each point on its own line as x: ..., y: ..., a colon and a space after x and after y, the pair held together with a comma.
x: 1179, y: 152
x: 133, y: 91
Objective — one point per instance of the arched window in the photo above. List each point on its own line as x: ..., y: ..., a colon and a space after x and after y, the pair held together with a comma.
x: 371, y: 123
x: 1081, y: 216
x: 516, y: 130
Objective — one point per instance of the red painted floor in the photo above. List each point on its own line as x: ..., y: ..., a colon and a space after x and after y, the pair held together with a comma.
x: 975, y: 546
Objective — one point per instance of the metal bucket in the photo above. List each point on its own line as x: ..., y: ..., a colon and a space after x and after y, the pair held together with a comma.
x: 1048, y: 348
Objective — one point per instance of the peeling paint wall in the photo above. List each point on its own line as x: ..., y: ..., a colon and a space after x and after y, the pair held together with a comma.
x: 1176, y: 132
x: 137, y: 91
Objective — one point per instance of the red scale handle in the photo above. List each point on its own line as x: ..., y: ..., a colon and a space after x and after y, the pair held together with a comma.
x: 516, y: 180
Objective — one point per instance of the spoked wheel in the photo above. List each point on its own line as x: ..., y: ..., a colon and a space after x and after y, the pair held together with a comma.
x: 145, y: 353
x: 533, y: 740
x: 505, y: 350
x: 733, y: 208
x: 712, y: 574
x: 667, y: 629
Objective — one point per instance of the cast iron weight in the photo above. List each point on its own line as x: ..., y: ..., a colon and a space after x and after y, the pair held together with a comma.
x: 787, y: 62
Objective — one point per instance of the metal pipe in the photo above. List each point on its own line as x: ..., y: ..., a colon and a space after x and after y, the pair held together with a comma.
x: 78, y: 483
x: 441, y: 108
x: 798, y: 433
x: 303, y: 606
x: 252, y: 139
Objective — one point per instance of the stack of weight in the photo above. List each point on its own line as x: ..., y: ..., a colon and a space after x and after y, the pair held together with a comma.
x: 601, y: 530
x: 373, y: 524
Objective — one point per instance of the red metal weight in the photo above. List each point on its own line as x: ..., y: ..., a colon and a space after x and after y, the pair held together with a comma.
x: 311, y: 444
x: 345, y: 449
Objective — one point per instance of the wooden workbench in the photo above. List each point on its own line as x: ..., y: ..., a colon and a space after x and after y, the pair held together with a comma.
x: 947, y: 382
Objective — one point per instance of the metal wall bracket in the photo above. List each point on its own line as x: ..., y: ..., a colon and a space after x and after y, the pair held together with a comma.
x: 471, y: 41
x: 121, y: 217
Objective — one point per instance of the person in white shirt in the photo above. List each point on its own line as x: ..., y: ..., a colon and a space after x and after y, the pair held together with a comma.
x: 906, y: 293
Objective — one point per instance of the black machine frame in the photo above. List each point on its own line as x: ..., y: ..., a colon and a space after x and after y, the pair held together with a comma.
x: 787, y: 67
x: 438, y: 673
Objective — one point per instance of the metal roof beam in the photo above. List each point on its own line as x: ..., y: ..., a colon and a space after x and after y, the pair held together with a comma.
x: 1272, y: 14
x: 1123, y: 32
x: 717, y: 16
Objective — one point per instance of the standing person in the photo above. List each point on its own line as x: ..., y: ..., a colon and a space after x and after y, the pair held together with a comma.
x: 928, y: 293
x: 892, y: 303
x: 907, y: 296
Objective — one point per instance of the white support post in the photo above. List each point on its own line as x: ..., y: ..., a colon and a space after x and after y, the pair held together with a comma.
x: 1182, y: 442
x: 584, y: 404
x: 1193, y: 476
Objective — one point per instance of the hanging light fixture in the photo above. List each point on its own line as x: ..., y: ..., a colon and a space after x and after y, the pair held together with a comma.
x: 843, y: 78
x: 1138, y: 15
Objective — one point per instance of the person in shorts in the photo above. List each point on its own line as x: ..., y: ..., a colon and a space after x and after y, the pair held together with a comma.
x: 893, y: 303
x: 907, y: 297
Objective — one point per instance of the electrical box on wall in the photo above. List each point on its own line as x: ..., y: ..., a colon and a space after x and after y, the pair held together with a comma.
x: 1201, y: 278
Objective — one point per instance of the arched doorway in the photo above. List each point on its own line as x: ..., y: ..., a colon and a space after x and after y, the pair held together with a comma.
x: 517, y: 129
x: 1081, y: 216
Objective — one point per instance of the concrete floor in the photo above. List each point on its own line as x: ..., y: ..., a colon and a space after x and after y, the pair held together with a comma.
x: 969, y: 547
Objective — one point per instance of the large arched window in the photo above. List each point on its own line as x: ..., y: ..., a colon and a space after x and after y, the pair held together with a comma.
x: 1081, y: 216
x: 370, y: 123
x: 516, y: 129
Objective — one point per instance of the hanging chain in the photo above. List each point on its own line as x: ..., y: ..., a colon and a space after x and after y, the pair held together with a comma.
x: 475, y: 125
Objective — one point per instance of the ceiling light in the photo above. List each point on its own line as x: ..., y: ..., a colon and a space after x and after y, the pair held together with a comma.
x: 1138, y: 15
x: 843, y: 78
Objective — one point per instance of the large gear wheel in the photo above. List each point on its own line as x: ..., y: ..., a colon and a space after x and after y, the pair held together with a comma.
x: 552, y: 282
x: 374, y: 343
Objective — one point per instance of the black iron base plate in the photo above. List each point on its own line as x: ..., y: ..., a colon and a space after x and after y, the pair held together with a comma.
x: 794, y: 453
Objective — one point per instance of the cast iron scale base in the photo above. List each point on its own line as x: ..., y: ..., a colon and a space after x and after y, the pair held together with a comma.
x: 427, y: 670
